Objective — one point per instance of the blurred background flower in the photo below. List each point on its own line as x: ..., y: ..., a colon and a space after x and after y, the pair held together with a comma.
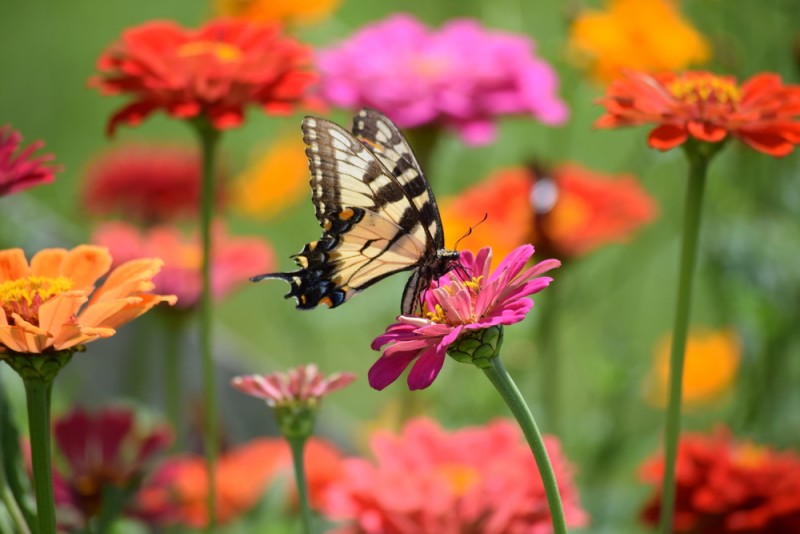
x: 234, y: 259
x: 102, y: 458
x: 286, y: 12
x: 727, y: 486
x: 274, y: 182
x: 461, y: 76
x: 565, y: 213
x: 21, y: 170
x: 710, y: 366
x: 177, y: 493
x: 644, y: 35
x: 428, y: 480
x: 147, y: 183
x: 213, y: 72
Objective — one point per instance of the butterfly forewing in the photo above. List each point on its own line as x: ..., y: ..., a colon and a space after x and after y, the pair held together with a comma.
x: 376, y: 210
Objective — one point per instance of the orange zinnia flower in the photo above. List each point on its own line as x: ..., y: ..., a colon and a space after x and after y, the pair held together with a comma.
x: 762, y: 112
x: 283, y: 11
x: 711, y: 362
x: 51, y: 304
x: 646, y: 35
x: 214, y: 71
x: 566, y: 213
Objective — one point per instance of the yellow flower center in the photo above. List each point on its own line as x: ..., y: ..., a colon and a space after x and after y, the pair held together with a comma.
x: 704, y: 87
x: 749, y: 455
x: 460, y: 477
x: 223, y: 51
x: 23, y: 296
x: 437, y: 315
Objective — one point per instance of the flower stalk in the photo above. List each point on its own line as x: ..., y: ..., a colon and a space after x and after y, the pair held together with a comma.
x: 297, y: 445
x: 37, y: 395
x: 699, y: 156
x: 208, y: 137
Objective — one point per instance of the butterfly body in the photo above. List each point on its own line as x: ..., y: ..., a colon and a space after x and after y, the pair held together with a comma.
x: 377, y: 212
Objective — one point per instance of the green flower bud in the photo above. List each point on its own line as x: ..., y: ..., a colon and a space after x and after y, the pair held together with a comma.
x: 44, y: 366
x: 296, y: 419
x: 477, y: 347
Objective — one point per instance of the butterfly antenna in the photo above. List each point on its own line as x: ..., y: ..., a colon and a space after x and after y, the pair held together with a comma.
x: 471, y: 228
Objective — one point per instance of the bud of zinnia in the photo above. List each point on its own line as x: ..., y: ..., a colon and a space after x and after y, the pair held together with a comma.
x: 478, y: 347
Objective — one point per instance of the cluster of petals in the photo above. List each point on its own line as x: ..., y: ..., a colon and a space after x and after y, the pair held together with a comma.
x: 177, y: 493
x: 52, y: 304
x: 644, y: 35
x: 148, y: 183
x: 726, y: 486
x: 762, y: 112
x: 471, y: 297
x: 213, y: 72
x: 711, y: 361
x: 233, y: 259
x: 430, y: 481
x: 21, y: 170
x: 302, y: 385
x: 461, y: 76
x: 101, y: 450
x: 566, y: 212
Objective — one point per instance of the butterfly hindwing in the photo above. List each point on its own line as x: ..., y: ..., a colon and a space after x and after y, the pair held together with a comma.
x: 377, y: 212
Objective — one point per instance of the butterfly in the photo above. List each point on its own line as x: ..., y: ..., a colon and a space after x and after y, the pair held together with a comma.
x: 377, y: 212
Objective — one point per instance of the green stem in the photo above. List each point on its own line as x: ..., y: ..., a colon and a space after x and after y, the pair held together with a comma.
x: 209, y: 138
x: 698, y: 165
x: 504, y: 384
x: 13, y: 509
x: 37, y: 393
x: 298, y: 447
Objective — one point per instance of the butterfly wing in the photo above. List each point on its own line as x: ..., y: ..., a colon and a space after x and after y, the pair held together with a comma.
x: 386, y: 142
x: 371, y: 228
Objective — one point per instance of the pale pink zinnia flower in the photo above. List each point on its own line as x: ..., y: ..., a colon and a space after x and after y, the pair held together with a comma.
x: 303, y: 385
x: 468, y: 299
x: 430, y: 481
x: 23, y: 170
x: 233, y: 259
x: 462, y: 76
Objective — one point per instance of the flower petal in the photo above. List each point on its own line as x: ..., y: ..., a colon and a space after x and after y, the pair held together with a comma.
x: 84, y: 265
x: 13, y: 264
x: 47, y: 262
x: 667, y: 136
x: 388, y: 368
x: 425, y: 369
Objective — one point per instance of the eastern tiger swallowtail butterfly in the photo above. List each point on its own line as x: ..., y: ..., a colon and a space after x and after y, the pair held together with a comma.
x: 377, y: 212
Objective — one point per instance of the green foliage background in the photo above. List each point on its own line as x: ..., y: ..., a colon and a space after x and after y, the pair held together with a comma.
x: 613, y: 305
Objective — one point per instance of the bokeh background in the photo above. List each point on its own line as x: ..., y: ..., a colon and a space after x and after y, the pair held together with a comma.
x: 614, y: 306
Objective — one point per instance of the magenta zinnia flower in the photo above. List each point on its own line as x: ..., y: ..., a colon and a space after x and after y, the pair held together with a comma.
x: 23, y: 170
x: 428, y: 480
x: 462, y: 76
x: 302, y: 385
x: 468, y: 299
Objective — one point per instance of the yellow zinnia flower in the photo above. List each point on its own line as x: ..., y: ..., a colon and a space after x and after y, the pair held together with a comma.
x: 644, y: 35
x: 711, y: 362
x: 283, y: 11
x: 276, y: 180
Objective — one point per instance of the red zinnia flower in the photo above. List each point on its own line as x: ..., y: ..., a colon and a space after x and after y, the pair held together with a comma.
x: 729, y: 487
x: 23, y: 170
x: 147, y: 183
x: 101, y: 450
x: 762, y: 112
x: 214, y: 71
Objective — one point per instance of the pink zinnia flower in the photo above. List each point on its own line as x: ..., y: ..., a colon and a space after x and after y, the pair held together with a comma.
x: 303, y: 385
x: 430, y: 481
x: 23, y: 170
x: 104, y: 449
x: 233, y: 259
x: 146, y: 182
x: 468, y: 299
x: 462, y: 76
